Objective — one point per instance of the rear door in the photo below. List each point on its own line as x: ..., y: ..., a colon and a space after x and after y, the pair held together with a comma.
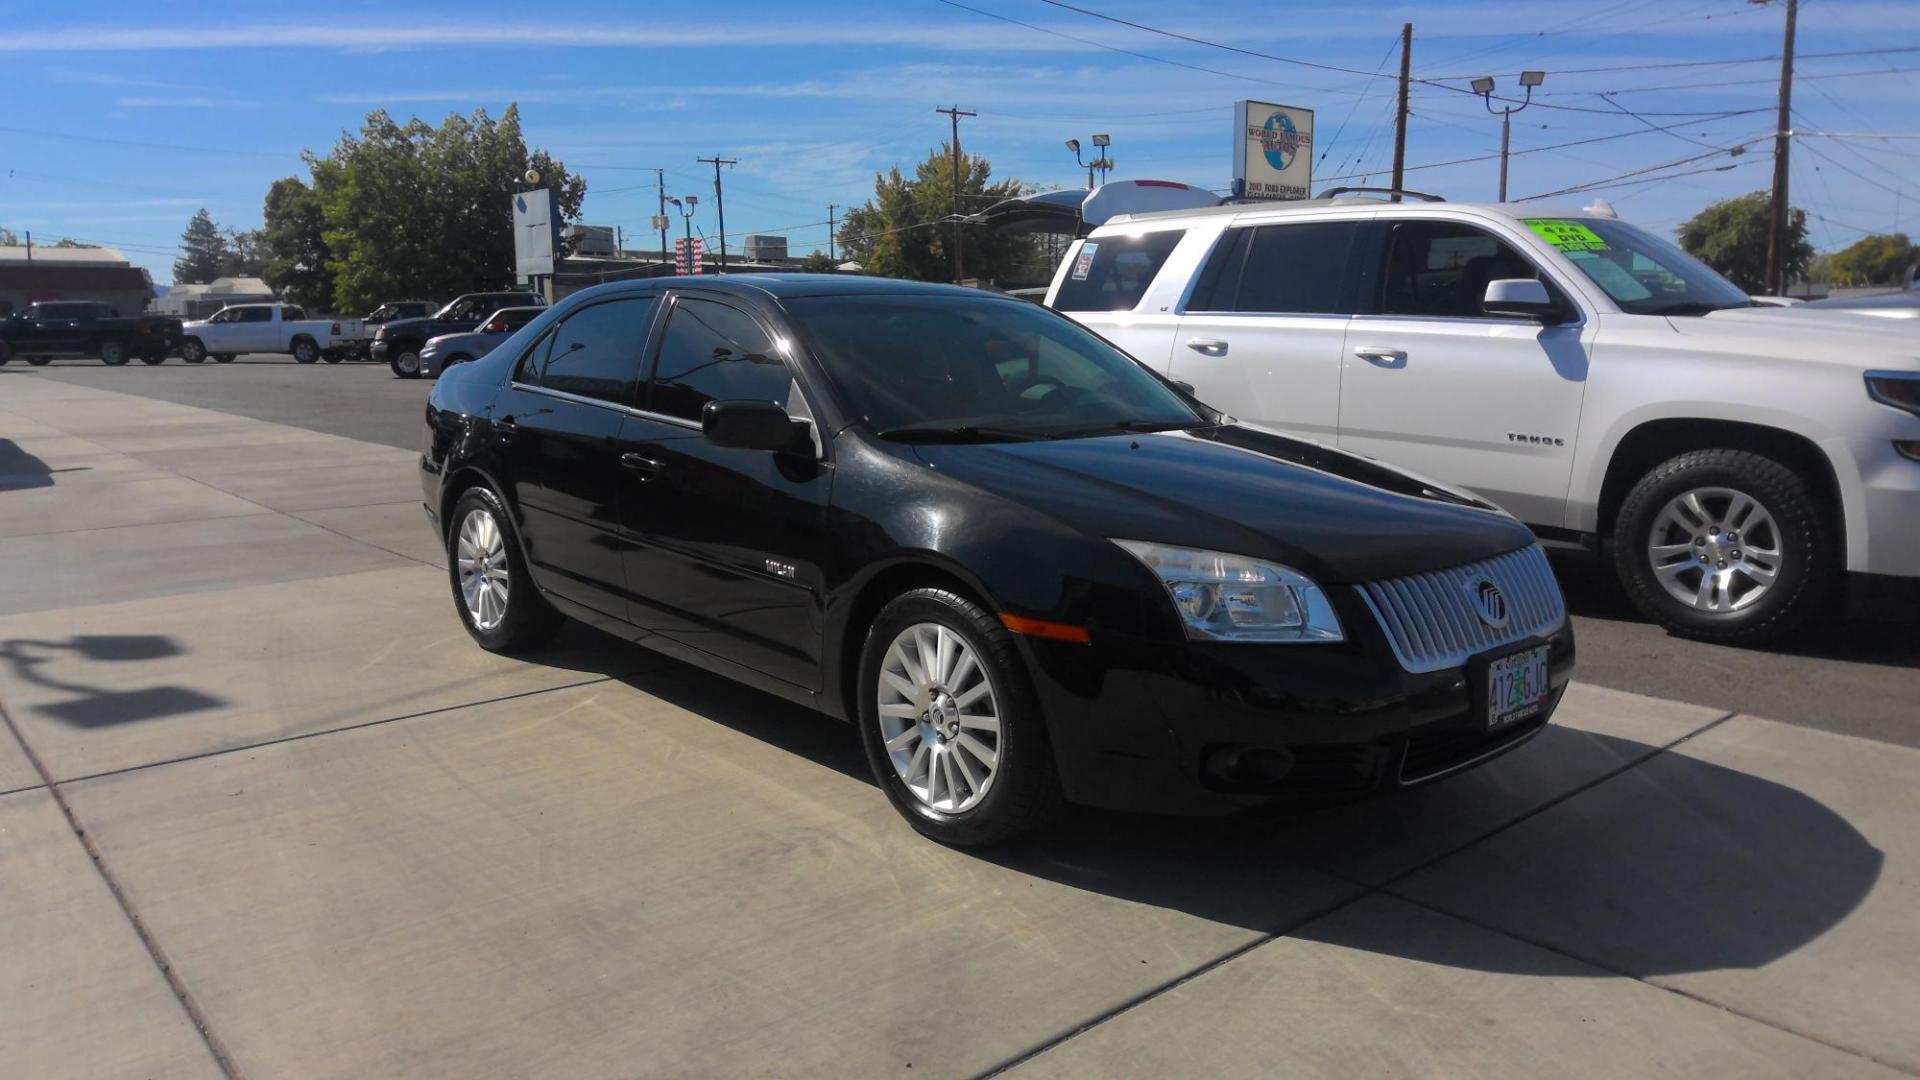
x: 1433, y: 382
x: 729, y: 542
x: 1114, y: 284
x: 1263, y: 328
x: 560, y: 422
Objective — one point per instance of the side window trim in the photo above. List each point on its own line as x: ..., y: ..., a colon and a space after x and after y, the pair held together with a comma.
x: 530, y: 372
x: 1232, y: 244
x: 657, y: 343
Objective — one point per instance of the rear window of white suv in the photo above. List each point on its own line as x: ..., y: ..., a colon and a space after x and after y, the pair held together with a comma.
x: 1111, y: 273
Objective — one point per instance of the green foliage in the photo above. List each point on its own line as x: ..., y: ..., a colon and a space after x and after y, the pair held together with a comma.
x: 1879, y: 259
x: 1731, y: 237
x: 8, y: 238
x: 818, y: 263
x: 70, y: 242
x: 203, y: 251
x: 905, y: 231
x: 411, y: 210
x: 246, y: 254
x: 294, y: 243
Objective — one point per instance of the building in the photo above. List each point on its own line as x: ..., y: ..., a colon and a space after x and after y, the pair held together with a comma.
x: 762, y: 248
x: 190, y: 302
x: 593, y: 241
x: 31, y: 275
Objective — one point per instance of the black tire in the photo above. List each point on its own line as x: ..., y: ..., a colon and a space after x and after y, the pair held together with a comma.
x: 223, y: 358
x: 193, y: 351
x: 153, y: 359
x: 1802, y: 530
x: 39, y: 361
x: 305, y: 351
x: 332, y: 356
x: 1024, y: 792
x: 404, y: 360
x: 199, y: 357
x: 529, y: 621
x: 113, y: 352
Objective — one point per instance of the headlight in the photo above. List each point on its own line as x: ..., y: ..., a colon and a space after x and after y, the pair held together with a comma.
x: 380, y: 334
x: 1222, y: 597
x: 1900, y: 389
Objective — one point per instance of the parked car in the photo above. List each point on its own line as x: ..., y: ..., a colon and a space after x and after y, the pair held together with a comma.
x: 1891, y: 305
x: 1025, y: 566
x: 386, y: 313
x: 1585, y: 374
x: 442, y: 352
x: 398, y: 342
x: 87, y: 328
x: 269, y: 328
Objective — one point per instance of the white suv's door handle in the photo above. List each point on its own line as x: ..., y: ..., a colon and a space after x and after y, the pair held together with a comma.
x: 1379, y: 355
x: 1210, y: 346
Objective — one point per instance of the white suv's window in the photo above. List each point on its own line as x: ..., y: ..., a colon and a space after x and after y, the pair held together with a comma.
x: 1440, y: 269
x: 1280, y: 269
x: 1643, y: 273
x: 1111, y: 273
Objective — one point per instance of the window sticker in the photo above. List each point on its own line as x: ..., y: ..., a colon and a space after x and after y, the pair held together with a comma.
x: 1566, y: 235
x: 1083, y: 264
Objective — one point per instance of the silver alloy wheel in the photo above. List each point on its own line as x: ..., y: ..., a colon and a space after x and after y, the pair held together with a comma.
x: 306, y: 352
x: 193, y: 352
x: 1715, y: 549
x: 482, y: 560
x: 939, y: 717
x: 408, y: 362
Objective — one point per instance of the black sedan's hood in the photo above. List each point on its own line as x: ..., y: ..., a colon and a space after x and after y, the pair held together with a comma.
x: 1332, y: 515
x: 426, y: 328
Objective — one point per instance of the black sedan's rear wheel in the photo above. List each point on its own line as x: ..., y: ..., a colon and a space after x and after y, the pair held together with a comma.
x: 497, y: 600
x: 951, y: 724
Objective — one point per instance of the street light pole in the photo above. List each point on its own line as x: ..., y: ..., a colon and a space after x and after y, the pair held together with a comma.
x: 1102, y: 163
x: 1484, y: 87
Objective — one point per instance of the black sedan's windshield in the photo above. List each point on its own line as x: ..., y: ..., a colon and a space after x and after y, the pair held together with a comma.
x: 1643, y: 273
x: 958, y: 369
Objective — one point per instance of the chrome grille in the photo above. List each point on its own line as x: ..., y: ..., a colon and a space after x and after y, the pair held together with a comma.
x: 1431, y: 618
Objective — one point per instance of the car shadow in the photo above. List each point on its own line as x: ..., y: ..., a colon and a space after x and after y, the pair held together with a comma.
x: 1674, y: 865
x: 91, y: 706
x: 1593, y: 592
x: 21, y: 470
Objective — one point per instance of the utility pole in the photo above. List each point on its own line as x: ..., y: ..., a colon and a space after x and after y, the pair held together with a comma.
x: 720, y: 202
x: 1782, y: 139
x: 29, y: 245
x: 1400, y: 116
x: 831, y: 207
x: 955, y: 114
x: 660, y: 183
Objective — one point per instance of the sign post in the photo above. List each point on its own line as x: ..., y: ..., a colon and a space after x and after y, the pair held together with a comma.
x: 536, y: 234
x: 1272, y: 151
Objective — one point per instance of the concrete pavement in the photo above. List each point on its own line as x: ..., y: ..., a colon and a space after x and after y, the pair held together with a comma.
x: 248, y: 740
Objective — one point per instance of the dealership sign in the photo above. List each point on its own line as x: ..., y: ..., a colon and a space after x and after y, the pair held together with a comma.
x: 536, y: 233
x: 1272, y: 151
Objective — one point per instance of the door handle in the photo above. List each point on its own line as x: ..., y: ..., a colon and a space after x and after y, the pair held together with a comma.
x: 1210, y: 346
x: 504, y: 428
x: 1382, y: 356
x: 640, y: 463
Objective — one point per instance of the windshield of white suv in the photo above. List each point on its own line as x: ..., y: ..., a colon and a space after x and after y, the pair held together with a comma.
x: 1643, y: 273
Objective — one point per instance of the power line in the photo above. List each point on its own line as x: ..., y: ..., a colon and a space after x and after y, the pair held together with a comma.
x: 1617, y: 181
x: 1559, y: 146
x: 1560, y: 72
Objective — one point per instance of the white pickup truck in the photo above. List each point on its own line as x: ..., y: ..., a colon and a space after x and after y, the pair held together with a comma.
x: 270, y: 328
x: 1741, y: 463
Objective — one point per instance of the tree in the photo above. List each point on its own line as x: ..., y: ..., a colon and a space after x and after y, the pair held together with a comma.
x: 817, y: 263
x: 905, y: 230
x: 70, y: 242
x: 8, y: 238
x: 246, y: 254
x: 293, y: 241
x: 203, y: 251
x: 1879, y: 259
x: 1731, y: 237
x: 411, y: 210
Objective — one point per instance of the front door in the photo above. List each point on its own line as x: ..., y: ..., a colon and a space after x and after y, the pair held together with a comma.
x: 1432, y: 382
x: 729, y: 543
x: 559, y: 423
x: 1262, y: 331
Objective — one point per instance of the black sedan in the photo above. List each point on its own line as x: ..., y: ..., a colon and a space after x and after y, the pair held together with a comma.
x: 1026, y: 567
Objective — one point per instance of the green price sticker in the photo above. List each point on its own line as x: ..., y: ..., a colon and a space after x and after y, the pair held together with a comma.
x: 1566, y: 235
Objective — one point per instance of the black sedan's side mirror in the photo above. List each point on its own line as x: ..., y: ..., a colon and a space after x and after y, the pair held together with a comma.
x: 752, y: 425
x: 1526, y: 298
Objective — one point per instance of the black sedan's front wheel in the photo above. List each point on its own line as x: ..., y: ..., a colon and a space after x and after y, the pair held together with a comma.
x: 952, y: 727
x: 498, y: 602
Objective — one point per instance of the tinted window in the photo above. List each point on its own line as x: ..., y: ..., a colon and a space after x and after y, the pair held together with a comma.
x: 1220, y: 278
x: 518, y: 317
x: 984, y: 369
x: 1441, y: 269
x: 712, y: 352
x: 1297, y: 268
x: 1111, y: 273
x: 291, y: 314
x: 596, y: 350
x: 255, y: 314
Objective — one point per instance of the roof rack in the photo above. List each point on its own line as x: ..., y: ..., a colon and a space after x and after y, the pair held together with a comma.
x: 1335, y: 192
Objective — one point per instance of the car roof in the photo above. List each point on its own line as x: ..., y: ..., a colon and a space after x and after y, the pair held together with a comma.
x: 1358, y: 203
x: 785, y: 286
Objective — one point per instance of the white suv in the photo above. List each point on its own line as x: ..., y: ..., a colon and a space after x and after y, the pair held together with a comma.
x: 1587, y: 375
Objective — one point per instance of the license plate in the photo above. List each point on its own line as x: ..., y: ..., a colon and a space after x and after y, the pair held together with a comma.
x: 1517, y: 686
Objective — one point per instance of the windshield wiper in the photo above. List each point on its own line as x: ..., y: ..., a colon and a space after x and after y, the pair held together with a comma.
x: 964, y: 433
x: 1128, y: 426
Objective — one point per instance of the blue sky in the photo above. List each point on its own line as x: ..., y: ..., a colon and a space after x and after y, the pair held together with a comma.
x: 813, y: 99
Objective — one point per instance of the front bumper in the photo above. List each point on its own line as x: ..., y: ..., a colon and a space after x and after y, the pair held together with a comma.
x: 1147, y: 725
x: 378, y: 349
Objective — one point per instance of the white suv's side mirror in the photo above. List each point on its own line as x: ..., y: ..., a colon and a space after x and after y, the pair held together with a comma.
x: 1525, y: 297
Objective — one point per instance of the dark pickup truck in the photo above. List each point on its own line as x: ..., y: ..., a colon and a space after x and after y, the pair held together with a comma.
x: 87, y: 328
x: 398, y: 342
